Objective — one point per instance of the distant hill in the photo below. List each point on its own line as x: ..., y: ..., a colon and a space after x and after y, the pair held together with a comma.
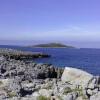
x: 52, y: 45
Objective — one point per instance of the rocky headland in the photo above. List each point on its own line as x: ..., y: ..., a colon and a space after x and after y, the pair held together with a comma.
x: 21, y: 55
x: 26, y: 80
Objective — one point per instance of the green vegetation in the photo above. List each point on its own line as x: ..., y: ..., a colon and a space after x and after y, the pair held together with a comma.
x: 1, y: 82
x: 11, y: 94
x: 43, y: 98
x: 53, y: 45
x: 78, y: 90
x: 68, y: 90
x: 59, y: 98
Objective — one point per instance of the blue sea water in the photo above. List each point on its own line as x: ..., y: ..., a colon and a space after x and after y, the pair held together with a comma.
x: 86, y: 59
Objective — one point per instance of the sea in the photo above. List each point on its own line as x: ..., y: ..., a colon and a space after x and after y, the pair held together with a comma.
x: 83, y: 58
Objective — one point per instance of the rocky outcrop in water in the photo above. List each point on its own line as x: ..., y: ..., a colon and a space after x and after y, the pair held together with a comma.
x: 21, y: 55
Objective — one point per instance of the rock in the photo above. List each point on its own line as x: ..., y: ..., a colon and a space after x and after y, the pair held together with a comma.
x: 76, y: 76
x: 24, y: 92
x: 94, y: 82
x: 2, y: 58
x: 28, y: 85
x: 28, y: 98
x: 93, y: 86
x: 27, y: 88
x: 80, y: 98
x: 10, y: 68
x: 14, y: 98
x: 35, y: 95
x: 14, y: 85
x: 23, y: 80
x: 89, y: 92
x: 4, y: 82
x: 3, y: 95
x: 45, y: 92
x: 68, y: 97
x: 95, y: 97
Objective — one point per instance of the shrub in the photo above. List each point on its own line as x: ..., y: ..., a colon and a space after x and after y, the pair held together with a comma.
x: 67, y: 90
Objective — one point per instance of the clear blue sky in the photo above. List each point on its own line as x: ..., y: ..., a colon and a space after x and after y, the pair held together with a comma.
x: 73, y: 22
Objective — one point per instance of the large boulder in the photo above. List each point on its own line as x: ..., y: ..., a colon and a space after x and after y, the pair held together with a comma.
x: 76, y: 76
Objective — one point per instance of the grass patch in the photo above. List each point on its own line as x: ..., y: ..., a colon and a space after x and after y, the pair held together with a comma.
x: 43, y: 98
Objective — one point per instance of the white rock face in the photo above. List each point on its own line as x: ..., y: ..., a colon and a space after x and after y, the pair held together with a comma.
x: 95, y: 97
x: 35, y: 95
x: 4, y: 82
x: 76, y: 76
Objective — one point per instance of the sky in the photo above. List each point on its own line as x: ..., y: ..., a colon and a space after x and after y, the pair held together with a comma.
x: 72, y: 22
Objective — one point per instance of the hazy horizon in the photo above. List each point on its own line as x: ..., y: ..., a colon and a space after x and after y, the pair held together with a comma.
x: 29, y: 22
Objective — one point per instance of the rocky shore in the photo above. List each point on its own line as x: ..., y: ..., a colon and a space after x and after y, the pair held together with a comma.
x: 21, y: 55
x: 22, y: 80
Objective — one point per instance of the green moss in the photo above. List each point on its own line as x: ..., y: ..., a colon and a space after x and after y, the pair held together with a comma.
x: 67, y: 90
x: 59, y: 98
x: 78, y: 90
x: 1, y: 82
x: 11, y: 94
x: 43, y: 98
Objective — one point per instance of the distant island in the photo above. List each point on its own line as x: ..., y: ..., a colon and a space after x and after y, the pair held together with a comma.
x: 52, y: 45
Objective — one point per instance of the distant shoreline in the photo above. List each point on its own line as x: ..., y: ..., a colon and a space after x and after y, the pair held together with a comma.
x: 52, y: 47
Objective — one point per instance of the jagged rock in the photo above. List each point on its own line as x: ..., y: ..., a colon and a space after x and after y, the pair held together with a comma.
x: 70, y: 96
x: 89, y: 92
x: 28, y: 71
x: 23, y: 80
x: 67, y: 97
x: 93, y: 86
x: 14, y: 85
x: 1, y: 58
x: 3, y: 95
